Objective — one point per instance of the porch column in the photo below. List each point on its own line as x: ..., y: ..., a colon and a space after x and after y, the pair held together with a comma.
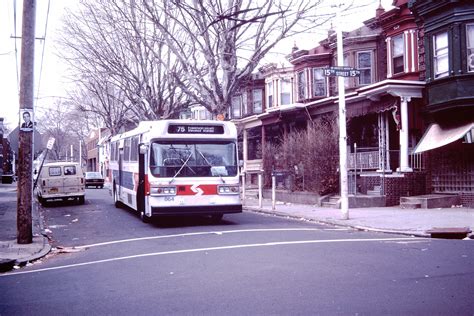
x: 404, y: 165
x: 263, y: 147
x: 245, y: 148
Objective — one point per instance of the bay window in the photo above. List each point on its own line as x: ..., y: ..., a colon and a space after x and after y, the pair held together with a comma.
x: 470, y: 47
x: 398, y: 48
x: 269, y: 94
x: 364, y: 64
x: 236, y: 106
x: 285, y: 94
x: 301, y: 85
x: 319, y: 83
x: 257, y: 100
x: 440, y: 55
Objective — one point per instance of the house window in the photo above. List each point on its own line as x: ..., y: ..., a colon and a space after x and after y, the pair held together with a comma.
x: 398, y: 48
x: 269, y: 94
x: 301, y: 85
x: 470, y: 47
x: 236, y: 106
x: 257, y: 100
x: 364, y: 64
x: 244, y: 103
x: 319, y: 83
x: 285, y: 94
x: 440, y: 55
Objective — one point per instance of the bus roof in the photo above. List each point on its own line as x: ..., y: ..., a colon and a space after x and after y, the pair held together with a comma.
x: 177, y: 129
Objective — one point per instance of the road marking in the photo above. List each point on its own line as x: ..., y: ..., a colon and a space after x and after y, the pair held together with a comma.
x: 196, y: 234
x: 184, y: 251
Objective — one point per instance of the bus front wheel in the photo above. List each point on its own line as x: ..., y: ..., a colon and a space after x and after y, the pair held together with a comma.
x: 116, y: 200
x: 144, y: 218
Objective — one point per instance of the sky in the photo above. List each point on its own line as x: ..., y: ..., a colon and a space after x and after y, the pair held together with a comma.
x: 50, y: 71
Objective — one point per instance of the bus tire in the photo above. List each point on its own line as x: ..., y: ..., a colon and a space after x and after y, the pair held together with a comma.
x: 82, y: 200
x: 145, y: 218
x: 216, y: 218
x: 116, y: 201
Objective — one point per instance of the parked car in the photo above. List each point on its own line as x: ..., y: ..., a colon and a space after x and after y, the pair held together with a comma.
x: 94, y: 179
x: 61, y: 180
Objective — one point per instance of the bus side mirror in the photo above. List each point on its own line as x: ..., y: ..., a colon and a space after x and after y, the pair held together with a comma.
x: 143, y: 149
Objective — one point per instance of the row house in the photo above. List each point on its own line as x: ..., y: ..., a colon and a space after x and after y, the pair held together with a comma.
x: 447, y: 58
x: 389, y: 106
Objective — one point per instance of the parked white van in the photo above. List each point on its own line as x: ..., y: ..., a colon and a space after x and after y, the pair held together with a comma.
x: 61, y: 180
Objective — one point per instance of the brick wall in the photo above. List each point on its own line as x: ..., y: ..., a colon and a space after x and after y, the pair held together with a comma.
x: 396, y: 186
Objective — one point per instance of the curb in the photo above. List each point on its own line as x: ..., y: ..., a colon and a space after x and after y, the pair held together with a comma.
x: 337, y: 224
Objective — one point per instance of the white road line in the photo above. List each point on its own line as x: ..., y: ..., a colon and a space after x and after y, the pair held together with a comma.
x: 195, y: 234
x: 172, y: 252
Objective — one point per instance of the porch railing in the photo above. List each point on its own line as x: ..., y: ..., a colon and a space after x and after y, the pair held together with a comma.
x: 369, y: 159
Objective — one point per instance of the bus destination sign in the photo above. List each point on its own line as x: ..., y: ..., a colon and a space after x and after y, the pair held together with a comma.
x: 195, y: 129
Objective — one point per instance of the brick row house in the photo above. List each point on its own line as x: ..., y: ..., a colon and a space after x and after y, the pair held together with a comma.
x: 389, y: 107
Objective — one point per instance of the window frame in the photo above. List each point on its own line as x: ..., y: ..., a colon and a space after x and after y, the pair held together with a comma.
x: 283, y: 92
x: 470, y: 48
x: 269, y: 89
x: 437, y: 56
x: 236, y: 106
x: 370, y: 68
x: 402, y: 55
x: 323, y: 80
x: 254, y: 101
x: 302, y: 89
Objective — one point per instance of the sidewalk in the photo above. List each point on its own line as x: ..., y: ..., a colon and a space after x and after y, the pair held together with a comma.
x: 11, y: 253
x: 413, y: 222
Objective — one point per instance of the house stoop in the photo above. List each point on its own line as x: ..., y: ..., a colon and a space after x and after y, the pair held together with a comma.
x: 430, y: 201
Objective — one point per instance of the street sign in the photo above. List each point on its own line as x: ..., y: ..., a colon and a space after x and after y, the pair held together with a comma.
x: 50, y: 143
x: 341, y: 71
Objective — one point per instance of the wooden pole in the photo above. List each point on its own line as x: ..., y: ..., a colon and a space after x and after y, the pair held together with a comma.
x: 25, y: 136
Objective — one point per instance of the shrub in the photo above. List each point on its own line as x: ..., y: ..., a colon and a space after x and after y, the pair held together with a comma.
x: 310, y: 156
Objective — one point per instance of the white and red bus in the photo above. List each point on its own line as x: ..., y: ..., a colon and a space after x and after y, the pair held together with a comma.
x: 177, y: 167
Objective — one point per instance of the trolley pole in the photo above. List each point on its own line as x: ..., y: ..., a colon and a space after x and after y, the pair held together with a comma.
x: 25, y: 136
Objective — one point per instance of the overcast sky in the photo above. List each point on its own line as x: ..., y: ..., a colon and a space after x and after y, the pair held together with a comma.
x: 49, y: 70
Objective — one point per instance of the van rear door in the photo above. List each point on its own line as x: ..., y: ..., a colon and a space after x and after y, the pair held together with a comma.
x: 53, y: 180
x: 73, y: 180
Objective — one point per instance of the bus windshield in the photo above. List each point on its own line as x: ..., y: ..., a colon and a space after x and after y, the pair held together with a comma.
x: 193, y: 159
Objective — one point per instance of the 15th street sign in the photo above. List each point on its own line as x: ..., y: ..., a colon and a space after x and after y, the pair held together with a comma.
x: 341, y: 71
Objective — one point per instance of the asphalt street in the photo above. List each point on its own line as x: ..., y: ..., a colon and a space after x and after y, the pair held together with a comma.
x: 108, y: 262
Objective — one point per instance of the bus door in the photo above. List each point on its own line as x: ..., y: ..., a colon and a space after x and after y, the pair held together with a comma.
x: 142, y: 151
x: 120, y: 171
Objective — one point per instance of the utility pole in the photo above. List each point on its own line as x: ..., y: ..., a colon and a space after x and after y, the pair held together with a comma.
x: 25, y: 136
x: 342, y: 122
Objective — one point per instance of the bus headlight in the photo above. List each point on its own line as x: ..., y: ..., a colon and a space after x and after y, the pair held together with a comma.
x: 229, y: 189
x: 163, y: 190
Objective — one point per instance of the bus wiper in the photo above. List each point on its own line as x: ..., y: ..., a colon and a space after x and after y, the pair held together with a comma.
x: 182, y: 166
x: 210, y: 165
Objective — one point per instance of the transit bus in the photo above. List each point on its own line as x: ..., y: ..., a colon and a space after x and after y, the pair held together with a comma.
x: 177, y: 167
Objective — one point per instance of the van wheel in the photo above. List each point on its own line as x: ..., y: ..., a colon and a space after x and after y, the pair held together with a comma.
x: 116, y: 201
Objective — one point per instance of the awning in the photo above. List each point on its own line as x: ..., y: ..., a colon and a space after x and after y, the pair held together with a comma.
x: 437, y: 136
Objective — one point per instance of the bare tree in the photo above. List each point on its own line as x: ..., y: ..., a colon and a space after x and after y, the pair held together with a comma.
x: 219, y: 43
x: 117, y: 58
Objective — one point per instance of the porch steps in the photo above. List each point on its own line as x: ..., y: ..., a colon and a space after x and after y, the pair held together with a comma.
x: 376, y: 191
x: 333, y: 202
x: 430, y: 200
x: 410, y: 205
x: 356, y: 201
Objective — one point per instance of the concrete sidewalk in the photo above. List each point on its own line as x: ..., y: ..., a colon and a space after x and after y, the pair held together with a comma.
x: 414, y: 222
x: 11, y: 253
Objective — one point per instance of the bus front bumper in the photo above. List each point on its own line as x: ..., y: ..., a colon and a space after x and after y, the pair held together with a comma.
x: 196, y: 210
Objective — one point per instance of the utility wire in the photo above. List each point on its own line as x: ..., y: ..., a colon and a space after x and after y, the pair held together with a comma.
x: 16, y: 49
x: 42, y: 54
